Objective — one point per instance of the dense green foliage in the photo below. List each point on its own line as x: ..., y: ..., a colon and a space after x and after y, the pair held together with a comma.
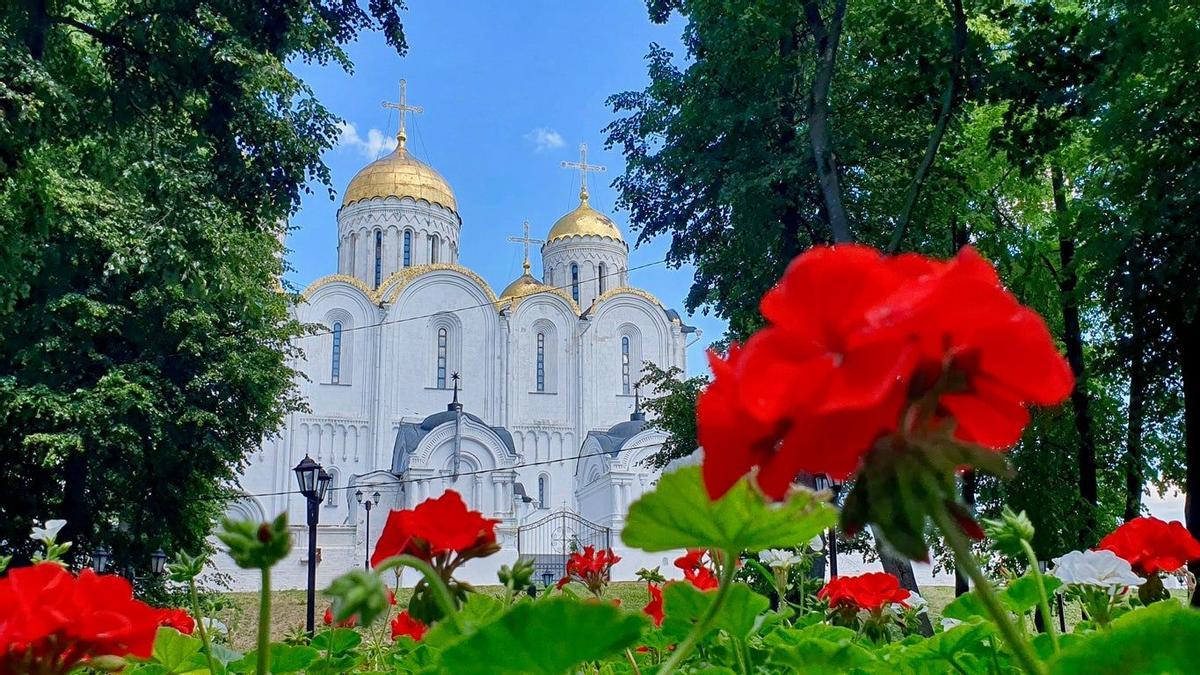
x: 150, y: 153
x: 1058, y: 138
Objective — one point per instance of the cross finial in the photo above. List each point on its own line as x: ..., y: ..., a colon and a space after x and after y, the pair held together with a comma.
x: 403, y: 108
x: 526, y: 240
x: 583, y: 167
x: 455, y: 378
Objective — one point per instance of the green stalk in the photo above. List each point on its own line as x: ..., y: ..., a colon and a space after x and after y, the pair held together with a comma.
x: 983, y: 588
x: 441, y: 593
x: 1044, y: 600
x: 693, y: 638
x: 212, y: 667
x: 264, y: 624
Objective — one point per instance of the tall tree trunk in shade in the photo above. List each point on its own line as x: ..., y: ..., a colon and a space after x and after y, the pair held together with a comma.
x: 1138, y: 384
x: 1073, y: 338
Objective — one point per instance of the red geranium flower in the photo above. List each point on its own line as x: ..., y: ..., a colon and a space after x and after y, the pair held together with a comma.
x: 697, y: 570
x: 178, y: 619
x: 403, y: 624
x: 855, y: 343
x: 871, y: 591
x: 52, y: 621
x: 437, y: 528
x: 348, y: 623
x: 654, y: 608
x: 591, y: 568
x: 1151, y: 545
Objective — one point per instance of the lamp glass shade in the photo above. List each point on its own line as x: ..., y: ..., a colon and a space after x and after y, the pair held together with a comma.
x: 158, y: 561
x: 100, y: 558
x: 375, y: 497
x: 547, y: 578
x: 358, y: 496
x: 323, y: 479
x: 306, y: 477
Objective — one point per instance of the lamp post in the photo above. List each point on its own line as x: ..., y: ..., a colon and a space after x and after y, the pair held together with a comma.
x: 547, y: 578
x: 158, y: 561
x: 313, y: 481
x: 100, y: 558
x: 822, y: 481
x: 368, y: 505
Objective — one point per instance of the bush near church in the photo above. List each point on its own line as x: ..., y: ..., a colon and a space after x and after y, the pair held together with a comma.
x: 894, y: 372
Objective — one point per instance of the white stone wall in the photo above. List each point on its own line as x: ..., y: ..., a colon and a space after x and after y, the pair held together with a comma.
x: 392, y: 217
x: 589, y: 253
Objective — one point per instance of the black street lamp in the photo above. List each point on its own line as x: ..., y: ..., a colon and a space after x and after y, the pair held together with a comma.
x: 100, y: 558
x: 313, y: 481
x: 158, y: 561
x: 368, y: 505
x: 822, y: 481
x: 547, y: 578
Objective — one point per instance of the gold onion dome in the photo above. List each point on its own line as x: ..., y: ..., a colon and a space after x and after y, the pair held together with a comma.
x: 523, y: 287
x: 584, y: 221
x: 400, y: 175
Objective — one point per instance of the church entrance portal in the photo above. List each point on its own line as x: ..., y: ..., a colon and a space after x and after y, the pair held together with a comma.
x: 550, y: 541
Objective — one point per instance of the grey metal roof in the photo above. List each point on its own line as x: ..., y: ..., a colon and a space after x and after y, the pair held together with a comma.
x: 409, y: 435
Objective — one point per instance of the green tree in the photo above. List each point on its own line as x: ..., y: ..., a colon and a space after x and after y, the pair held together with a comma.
x: 673, y: 410
x: 150, y: 153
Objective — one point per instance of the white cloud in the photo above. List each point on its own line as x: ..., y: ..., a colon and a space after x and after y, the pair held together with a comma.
x: 370, y: 147
x: 545, y: 138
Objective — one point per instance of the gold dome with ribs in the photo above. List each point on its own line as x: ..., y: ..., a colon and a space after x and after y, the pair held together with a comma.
x: 584, y: 221
x: 400, y: 175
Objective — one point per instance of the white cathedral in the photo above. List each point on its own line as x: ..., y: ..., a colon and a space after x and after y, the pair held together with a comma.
x: 423, y: 379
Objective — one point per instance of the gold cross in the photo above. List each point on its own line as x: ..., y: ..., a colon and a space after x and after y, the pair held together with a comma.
x: 403, y: 108
x: 526, y: 240
x: 583, y: 167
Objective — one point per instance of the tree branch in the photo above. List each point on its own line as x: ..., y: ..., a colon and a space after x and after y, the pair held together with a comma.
x: 101, y: 36
x: 826, y: 37
x: 958, y: 45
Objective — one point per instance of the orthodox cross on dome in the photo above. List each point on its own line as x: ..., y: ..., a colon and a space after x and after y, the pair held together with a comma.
x: 403, y: 108
x: 455, y: 377
x: 526, y: 240
x: 583, y: 167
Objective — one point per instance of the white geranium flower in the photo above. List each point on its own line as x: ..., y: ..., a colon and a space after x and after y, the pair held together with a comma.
x: 49, y: 532
x: 817, y: 544
x: 917, y: 603
x: 948, y: 623
x: 1095, y: 568
x: 778, y: 558
x: 214, y: 626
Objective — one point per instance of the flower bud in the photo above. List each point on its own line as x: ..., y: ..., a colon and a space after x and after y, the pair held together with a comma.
x: 256, y: 545
x: 1009, y: 531
x: 358, y: 593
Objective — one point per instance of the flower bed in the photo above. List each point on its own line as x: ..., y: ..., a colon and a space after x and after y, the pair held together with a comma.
x: 893, y: 372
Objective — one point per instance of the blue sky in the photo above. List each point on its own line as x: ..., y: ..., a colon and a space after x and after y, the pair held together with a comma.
x: 509, y: 91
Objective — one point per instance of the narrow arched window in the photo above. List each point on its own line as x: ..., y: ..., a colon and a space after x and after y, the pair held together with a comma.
x: 575, y: 282
x: 433, y: 248
x: 625, y: 365
x: 378, y: 257
x: 335, y: 359
x: 441, y: 358
x: 407, y: 248
x: 600, y: 277
x: 542, y: 491
x: 541, y: 362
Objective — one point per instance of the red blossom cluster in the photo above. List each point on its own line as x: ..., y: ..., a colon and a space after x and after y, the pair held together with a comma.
x: 860, y: 345
x: 590, y: 567
x: 871, y: 591
x: 404, y: 624
x: 654, y: 608
x: 347, y: 623
x: 52, y: 621
x: 178, y: 619
x: 697, y: 566
x: 1151, y: 545
x: 434, y: 530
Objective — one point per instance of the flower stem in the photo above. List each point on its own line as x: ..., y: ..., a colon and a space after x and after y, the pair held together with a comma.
x: 264, y: 624
x: 195, y: 599
x: 697, y: 633
x: 441, y: 593
x: 1044, y: 600
x: 632, y: 662
x: 983, y: 588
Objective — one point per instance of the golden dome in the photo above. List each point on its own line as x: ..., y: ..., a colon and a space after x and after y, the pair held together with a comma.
x: 399, y: 174
x: 584, y: 221
x: 524, y: 286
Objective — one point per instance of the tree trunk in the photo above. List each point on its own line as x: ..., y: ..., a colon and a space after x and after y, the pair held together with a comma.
x: 1138, y: 385
x: 961, y: 585
x: 903, y: 570
x: 826, y: 36
x: 1189, y: 337
x: 1073, y: 338
x: 38, y: 26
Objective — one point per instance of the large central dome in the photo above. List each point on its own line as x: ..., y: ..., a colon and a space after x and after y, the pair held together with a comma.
x: 400, y: 175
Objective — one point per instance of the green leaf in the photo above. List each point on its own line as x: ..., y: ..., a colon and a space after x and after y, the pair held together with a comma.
x: 819, y: 648
x: 548, y: 637
x: 1022, y: 594
x: 684, y: 605
x: 479, y: 609
x: 1161, y: 638
x: 337, y: 641
x: 965, y: 607
x: 172, y: 648
x: 678, y: 514
x: 284, y: 659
